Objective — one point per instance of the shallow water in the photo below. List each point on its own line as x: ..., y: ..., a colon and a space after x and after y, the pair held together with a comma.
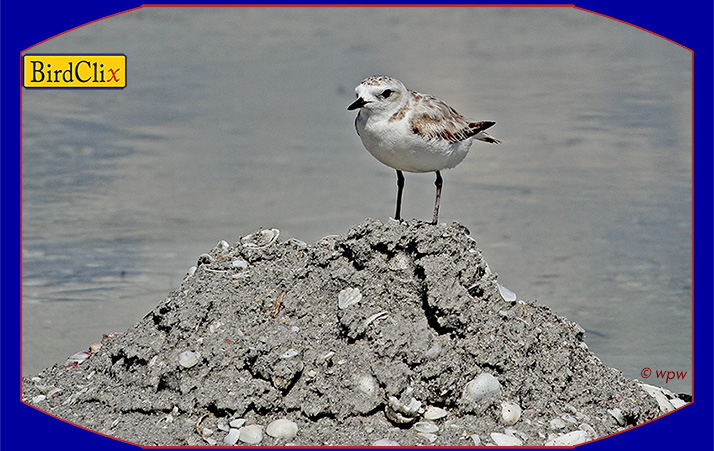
x: 235, y: 119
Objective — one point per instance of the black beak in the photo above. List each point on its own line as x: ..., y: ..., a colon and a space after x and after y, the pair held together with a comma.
x: 359, y: 103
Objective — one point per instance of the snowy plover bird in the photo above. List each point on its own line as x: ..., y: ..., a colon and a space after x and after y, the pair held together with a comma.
x: 413, y: 132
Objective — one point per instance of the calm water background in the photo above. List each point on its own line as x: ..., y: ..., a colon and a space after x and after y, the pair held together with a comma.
x: 235, y: 119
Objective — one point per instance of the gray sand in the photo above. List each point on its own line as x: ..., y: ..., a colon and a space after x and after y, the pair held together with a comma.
x: 262, y: 317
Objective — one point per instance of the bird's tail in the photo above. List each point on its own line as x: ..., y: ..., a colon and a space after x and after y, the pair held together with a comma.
x: 477, y: 130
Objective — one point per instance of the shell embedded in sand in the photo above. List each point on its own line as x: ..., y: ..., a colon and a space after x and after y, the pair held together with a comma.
x: 510, y: 413
x: 260, y: 239
x: 282, y: 428
x: 483, y: 387
x: 251, y: 434
x: 348, y: 296
x: 188, y: 359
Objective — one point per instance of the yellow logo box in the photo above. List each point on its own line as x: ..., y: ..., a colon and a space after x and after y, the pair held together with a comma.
x: 74, y: 71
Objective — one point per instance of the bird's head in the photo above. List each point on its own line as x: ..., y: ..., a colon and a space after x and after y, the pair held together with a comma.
x: 379, y: 95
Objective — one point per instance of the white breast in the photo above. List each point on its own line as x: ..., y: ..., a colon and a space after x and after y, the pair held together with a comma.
x: 395, y: 144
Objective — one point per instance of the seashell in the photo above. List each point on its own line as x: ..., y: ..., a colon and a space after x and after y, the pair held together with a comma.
x: 210, y: 441
x: 232, y: 437
x: 426, y: 426
x: 237, y: 423
x: 569, y: 418
x: 297, y: 243
x: 282, y: 428
x: 240, y: 264
x: 76, y: 359
x: 399, y: 262
x: 375, y: 317
x: 434, y: 413
x: 94, y: 347
x: 367, y: 385
x: 618, y: 416
x: 506, y: 294
x: 187, y: 359
x: 251, y: 434
x: 505, y: 440
x: 485, y: 267
x: 556, y: 423
x: 204, y: 259
x: 427, y: 435
x: 476, y: 439
x: 223, y: 427
x: 289, y: 354
x: 569, y: 439
x: 510, y: 413
x: 347, y: 297
x: 223, y: 245
x: 191, y: 270
x: 385, y: 442
x: 483, y: 387
x: 38, y: 398
x: 260, y: 239
x: 399, y: 413
x: 664, y: 405
x: 588, y: 430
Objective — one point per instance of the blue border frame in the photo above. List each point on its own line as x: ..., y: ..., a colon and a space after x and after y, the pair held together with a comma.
x: 126, y: 70
x: 21, y: 427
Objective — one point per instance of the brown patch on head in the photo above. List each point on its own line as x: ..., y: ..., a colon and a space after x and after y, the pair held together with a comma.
x: 377, y: 80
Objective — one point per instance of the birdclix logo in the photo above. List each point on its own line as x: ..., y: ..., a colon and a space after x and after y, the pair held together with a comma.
x: 74, y: 71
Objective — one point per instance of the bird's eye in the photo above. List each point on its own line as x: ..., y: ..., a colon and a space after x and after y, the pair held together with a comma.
x: 386, y: 93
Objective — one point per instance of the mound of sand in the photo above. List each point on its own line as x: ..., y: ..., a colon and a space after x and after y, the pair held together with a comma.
x: 373, y: 336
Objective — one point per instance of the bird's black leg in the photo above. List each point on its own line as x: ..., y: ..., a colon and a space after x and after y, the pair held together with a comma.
x: 400, y: 187
x: 438, y: 182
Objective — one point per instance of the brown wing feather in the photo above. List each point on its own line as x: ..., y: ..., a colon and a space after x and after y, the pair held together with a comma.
x: 439, y: 120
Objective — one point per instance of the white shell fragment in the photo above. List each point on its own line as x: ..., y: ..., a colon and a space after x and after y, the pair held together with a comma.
x: 77, y: 358
x: 483, y: 387
x: 569, y: 439
x: 231, y: 438
x: 510, y: 413
x: 240, y: 263
x: 251, y: 434
x: 618, y: 416
x: 434, y: 413
x: 282, y: 428
x: 426, y: 427
x: 427, y: 435
x: 506, y: 294
x: 385, y: 442
x: 260, y: 239
x: 505, y: 440
x: 237, y: 423
x: 348, y: 296
x: 367, y: 385
x: 290, y: 353
x: 188, y: 359
x: 400, y: 413
x: 657, y: 393
x: 556, y: 423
